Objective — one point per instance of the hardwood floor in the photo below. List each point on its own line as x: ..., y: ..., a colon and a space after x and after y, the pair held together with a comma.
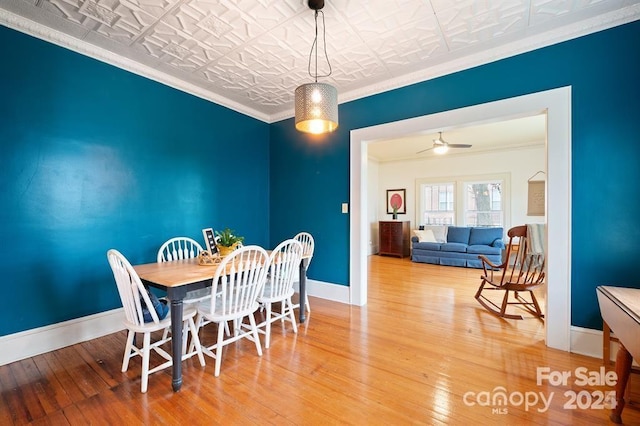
x: 421, y: 352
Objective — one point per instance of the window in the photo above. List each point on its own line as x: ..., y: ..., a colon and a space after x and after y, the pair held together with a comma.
x: 483, y: 205
x: 464, y: 200
x: 438, y: 204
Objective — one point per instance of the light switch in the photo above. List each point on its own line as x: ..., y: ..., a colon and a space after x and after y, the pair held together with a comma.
x: 345, y: 207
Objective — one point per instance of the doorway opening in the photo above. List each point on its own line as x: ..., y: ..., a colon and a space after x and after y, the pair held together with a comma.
x: 556, y: 104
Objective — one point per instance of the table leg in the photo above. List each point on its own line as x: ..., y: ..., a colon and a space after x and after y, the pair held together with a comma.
x: 176, y: 343
x: 303, y: 289
x: 606, y: 344
x: 623, y: 368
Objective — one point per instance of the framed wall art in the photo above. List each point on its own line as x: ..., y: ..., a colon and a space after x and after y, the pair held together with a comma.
x: 536, y: 196
x: 396, y: 201
x: 535, y: 201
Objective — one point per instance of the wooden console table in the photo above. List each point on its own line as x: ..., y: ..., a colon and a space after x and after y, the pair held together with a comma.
x: 620, y: 309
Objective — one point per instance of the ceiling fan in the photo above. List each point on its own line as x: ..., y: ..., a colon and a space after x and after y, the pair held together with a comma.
x: 441, y: 147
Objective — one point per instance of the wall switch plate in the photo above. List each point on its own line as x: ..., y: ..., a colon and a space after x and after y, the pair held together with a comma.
x: 345, y: 207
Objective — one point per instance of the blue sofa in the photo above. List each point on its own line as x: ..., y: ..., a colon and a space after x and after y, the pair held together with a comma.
x: 460, y: 247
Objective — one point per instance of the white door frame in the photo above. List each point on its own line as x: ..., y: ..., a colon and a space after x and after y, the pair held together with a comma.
x: 557, y: 105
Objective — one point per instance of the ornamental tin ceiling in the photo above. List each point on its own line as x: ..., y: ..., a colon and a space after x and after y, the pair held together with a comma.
x: 250, y: 55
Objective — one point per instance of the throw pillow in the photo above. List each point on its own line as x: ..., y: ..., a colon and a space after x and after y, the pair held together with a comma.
x: 439, y: 231
x: 425, y: 236
x: 160, y: 307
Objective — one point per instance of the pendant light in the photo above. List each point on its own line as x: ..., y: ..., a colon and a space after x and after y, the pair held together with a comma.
x: 317, y: 103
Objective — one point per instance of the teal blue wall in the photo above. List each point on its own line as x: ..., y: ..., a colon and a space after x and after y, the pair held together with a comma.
x: 310, y: 176
x: 93, y: 157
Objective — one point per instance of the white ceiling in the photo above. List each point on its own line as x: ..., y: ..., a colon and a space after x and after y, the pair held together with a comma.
x: 250, y: 55
x: 509, y: 134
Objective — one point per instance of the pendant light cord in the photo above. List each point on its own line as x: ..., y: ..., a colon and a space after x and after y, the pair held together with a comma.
x: 315, y: 46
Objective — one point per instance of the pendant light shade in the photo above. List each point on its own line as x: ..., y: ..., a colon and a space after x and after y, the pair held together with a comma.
x: 316, y: 108
x: 317, y: 103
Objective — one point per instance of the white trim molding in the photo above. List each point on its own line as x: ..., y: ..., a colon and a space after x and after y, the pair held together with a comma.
x: 25, y: 344
x: 486, y: 56
x: 556, y: 103
x: 531, y: 39
x: 585, y: 341
x: 588, y: 342
x: 82, y: 47
x: 325, y: 290
x: 18, y: 346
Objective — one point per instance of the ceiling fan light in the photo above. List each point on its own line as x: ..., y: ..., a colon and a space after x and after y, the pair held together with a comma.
x: 316, y: 108
x: 439, y: 140
x: 441, y: 149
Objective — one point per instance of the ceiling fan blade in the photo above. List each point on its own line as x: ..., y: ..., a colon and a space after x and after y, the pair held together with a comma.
x: 459, y: 145
x: 424, y: 150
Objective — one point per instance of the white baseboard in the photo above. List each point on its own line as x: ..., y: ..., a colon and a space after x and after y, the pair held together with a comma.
x: 585, y: 341
x: 25, y: 344
x: 325, y: 290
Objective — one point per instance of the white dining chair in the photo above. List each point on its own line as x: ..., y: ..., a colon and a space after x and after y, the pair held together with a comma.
x: 134, y: 297
x: 284, y: 261
x: 308, y: 247
x: 178, y: 248
x: 236, y: 285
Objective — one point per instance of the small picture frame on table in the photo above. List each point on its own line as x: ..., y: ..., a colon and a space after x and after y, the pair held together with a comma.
x: 210, y: 240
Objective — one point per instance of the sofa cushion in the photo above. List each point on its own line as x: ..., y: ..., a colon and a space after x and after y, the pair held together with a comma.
x: 482, y: 249
x: 426, y: 246
x: 485, y: 236
x: 425, y: 236
x: 458, y: 234
x: 455, y: 247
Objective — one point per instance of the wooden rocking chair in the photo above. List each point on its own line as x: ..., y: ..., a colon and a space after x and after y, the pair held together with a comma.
x: 520, y: 272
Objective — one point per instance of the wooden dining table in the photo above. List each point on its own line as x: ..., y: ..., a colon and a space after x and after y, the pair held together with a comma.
x: 620, y: 309
x: 180, y: 276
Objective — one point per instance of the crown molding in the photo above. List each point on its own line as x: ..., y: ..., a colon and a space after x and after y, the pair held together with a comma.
x: 58, y: 38
x: 529, y: 43
x: 514, y: 48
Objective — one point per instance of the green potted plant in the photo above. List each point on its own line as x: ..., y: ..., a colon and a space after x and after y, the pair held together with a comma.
x: 227, y: 241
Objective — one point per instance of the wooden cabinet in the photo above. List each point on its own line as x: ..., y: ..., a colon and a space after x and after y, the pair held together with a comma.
x: 394, y: 238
